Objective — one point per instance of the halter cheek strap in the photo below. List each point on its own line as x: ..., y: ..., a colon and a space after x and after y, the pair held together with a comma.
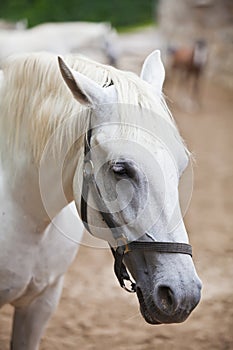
x: 122, y: 244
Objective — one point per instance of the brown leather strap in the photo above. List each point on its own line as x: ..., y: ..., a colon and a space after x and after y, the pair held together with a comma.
x: 161, y: 247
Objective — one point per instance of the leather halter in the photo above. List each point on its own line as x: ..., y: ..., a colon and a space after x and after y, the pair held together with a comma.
x: 123, y: 246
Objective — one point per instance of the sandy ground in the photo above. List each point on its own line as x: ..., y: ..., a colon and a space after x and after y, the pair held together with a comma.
x: 95, y: 313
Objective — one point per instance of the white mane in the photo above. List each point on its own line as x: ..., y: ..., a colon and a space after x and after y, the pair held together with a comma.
x: 34, y: 100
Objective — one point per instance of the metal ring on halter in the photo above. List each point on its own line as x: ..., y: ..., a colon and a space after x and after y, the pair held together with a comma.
x: 88, y: 168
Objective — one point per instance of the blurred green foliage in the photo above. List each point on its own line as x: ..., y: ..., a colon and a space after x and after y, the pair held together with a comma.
x: 120, y: 13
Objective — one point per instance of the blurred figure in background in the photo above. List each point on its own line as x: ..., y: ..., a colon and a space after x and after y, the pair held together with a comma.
x: 187, y: 65
x: 111, y: 48
x: 9, y: 25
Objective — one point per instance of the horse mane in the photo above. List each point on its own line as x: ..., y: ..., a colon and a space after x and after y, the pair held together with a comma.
x: 34, y: 100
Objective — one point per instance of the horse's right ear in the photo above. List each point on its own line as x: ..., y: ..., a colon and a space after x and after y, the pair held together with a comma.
x: 153, y: 71
x: 85, y: 90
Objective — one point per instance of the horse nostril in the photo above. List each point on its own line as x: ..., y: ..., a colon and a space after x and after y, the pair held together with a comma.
x: 166, y: 299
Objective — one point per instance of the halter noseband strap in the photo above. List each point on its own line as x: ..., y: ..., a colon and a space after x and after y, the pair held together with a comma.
x: 123, y: 246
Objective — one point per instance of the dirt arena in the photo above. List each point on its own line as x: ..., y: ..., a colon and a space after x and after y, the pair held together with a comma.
x: 95, y: 313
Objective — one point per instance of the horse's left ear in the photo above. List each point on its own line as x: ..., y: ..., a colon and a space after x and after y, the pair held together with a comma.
x: 153, y: 71
x: 85, y: 90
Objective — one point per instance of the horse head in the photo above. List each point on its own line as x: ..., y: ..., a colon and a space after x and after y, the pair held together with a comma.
x: 134, y: 159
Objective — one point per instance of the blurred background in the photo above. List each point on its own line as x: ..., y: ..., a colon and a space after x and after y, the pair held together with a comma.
x: 196, y: 39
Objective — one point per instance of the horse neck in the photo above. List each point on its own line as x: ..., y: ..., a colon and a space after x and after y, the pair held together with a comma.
x: 40, y: 192
x: 25, y: 131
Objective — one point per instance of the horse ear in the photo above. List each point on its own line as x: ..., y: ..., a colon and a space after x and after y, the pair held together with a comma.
x: 153, y: 71
x: 85, y: 90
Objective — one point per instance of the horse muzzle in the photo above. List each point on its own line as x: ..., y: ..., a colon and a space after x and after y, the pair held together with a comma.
x: 166, y: 304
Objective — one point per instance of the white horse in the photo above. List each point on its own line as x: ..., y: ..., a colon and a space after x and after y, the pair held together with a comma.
x: 135, y: 158
x: 62, y: 38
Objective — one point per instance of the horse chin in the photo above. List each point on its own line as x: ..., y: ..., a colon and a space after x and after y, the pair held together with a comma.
x: 147, y: 317
x: 144, y: 310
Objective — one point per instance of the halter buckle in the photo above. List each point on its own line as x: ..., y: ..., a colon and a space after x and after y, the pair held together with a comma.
x: 123, y: 242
